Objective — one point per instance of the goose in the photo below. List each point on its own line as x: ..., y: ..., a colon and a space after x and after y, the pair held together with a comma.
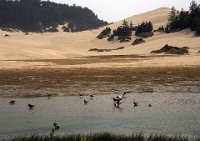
x: 12, y: 102
x: 117, y: 100
x: 31, y: 106
x: 56, y: 126
x: 119, y: 97
x: 49, y: 95
x: 149, y: 105
x: 135, y: 104
x: 85, y: 101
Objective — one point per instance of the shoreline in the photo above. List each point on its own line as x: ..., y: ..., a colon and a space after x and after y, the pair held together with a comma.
x: 38, y: 82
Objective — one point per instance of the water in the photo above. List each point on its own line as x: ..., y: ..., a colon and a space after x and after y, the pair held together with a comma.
x: 171, y: 113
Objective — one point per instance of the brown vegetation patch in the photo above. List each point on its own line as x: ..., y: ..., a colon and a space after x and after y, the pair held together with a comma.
x: 105, y: 50
x: 64, y: 82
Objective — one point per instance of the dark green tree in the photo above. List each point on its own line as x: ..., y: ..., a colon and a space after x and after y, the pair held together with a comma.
x: 41, y: 16
x: 185, y: 19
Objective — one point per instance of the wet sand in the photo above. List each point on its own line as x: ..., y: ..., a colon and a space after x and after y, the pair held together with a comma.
x: 68, y: 81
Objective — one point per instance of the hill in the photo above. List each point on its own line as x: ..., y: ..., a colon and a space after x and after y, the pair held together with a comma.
x: 45, y: 16
x: 34, y: 46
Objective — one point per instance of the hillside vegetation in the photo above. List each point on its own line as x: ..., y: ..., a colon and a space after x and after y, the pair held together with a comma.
x: 42, y: 16
x: 179, y: 20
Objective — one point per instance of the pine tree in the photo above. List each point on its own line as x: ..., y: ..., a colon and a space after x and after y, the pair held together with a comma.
x: 195, y: 15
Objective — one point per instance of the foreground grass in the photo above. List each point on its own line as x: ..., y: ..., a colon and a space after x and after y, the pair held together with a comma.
x: 104, y: 137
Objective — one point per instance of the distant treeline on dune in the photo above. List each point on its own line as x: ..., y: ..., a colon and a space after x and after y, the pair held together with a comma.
x: 45, y: 16
x: 179, y: 20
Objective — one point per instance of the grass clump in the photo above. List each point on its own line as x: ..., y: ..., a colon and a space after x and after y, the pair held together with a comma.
x: 104, y: 137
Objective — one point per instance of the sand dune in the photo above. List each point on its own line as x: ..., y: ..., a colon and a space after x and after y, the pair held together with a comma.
x: 19, y: 46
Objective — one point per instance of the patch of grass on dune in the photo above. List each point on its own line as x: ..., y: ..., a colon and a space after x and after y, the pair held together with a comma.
x: 104, y: 137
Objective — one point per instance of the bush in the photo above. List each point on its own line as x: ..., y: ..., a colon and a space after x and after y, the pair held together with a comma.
x: 6, y: 35
x: 172, y: 50
x: 144, y: 27
x: 111, y: 37
x: 105, y: 50
x: 122, y: 31
x: 138, y: 41
x: 105, y: 33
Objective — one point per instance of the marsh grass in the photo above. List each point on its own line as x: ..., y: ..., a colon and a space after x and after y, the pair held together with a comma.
x: 104, y: 137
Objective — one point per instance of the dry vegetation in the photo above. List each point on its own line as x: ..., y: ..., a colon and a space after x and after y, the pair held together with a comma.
x: 63, y: 82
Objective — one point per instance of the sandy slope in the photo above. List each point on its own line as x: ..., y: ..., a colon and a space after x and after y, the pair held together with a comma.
x: 69, y: 45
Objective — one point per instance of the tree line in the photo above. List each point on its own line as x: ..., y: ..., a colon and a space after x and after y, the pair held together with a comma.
x: 184, y: 19
x: 38, y: 16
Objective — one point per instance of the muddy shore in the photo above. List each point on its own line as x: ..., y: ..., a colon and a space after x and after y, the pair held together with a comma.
x: 38, y: 82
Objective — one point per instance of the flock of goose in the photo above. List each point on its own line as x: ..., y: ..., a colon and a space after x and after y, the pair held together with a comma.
x: 30, y: 106
x: 117, y: 101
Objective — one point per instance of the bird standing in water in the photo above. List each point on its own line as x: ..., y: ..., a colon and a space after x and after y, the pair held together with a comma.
x: 12, y: 102
x: 135, y: 104
x: 31, y: 106
x: 149, y: 105
x: 85, y: 102
x: 117, y: 101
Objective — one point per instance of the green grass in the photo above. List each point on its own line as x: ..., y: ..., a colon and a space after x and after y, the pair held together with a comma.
x: 104, y: 137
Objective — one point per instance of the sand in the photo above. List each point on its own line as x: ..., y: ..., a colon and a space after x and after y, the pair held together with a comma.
x: 34, y: 54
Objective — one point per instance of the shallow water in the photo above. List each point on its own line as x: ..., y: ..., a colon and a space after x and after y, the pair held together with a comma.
x: 171, y: 113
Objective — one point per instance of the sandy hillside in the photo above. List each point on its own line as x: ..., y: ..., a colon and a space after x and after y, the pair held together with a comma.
x: 36, y: 46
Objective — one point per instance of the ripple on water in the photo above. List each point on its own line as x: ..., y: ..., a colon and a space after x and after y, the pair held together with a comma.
x: 171, y: 113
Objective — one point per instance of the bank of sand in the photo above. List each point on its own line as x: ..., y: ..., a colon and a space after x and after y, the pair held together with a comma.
x: 59, y: 63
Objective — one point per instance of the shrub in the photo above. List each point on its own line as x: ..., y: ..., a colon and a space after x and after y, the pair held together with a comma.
x: 144, y: 27
x: 111, y: 37
x: 105, y: 33
x: 6, y: 35
x: 172, y: 50
x: 138, y: 41
x: 122, y: 31
x: 105, y: 50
